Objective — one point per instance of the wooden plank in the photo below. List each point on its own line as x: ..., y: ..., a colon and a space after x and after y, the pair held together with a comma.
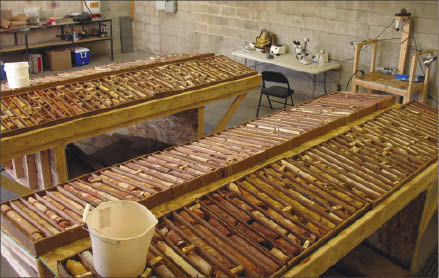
x: 364, y: 262
x: 18, y: 167
x: 200, y: 133
x: 430, y: 208
x: 379, y: 87
x: 43, y: 166
x: 61, y: 163
x: 373, y: 61
x: 412, y: 74
x: 132, y: 9
x: 405, y: 42
x: 374, y: 57
x: 338, y: 247
x: 229, y: 113
x: 67, y: 132
x: 424, y: 93
x: 354, y: 86
x: 13, y: 186
x: 8, y: 164
x: 31, y: 171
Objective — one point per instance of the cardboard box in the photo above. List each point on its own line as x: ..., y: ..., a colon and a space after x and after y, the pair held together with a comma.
x: 5, y: 23
x: 59, y: 59
x: 6, y: 14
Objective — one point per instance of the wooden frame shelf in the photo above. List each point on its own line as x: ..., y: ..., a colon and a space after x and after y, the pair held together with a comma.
x: 26, y: 47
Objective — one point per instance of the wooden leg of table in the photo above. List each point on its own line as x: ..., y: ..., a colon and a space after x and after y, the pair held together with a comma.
x: 43, y: 164
x: 17, y: 164
x: 31, y: 171
x: 61, y: 163
x: 223, y: 122
x: 354, y: 87
x: 430, y: 207
x: 200, y: 122
x: 424, y: 91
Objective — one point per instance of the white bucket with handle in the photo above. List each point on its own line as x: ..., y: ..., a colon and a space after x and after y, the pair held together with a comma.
x: 121, y: 232
x: 17, y: 74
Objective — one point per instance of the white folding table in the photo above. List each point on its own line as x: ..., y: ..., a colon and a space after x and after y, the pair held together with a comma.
x: 289, y: 61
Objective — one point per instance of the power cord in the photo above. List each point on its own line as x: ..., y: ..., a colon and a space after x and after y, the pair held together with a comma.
x: 350, y: 78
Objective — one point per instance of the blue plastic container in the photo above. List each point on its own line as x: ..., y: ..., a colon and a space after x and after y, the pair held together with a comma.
x: 81, y: 56
x: 2, y: 72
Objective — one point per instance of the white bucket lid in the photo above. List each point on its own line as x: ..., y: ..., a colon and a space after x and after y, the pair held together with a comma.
x: 81, y: 49
x: 16, y: 65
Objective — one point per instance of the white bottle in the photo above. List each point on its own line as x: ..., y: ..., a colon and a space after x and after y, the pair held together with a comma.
x: 75, y: 35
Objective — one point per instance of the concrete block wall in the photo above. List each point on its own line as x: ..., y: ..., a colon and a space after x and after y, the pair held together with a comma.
x: 225, y: 26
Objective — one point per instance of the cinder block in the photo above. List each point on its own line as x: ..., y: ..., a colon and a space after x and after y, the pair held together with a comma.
x: 200, y: 7
x: 213, y: 9
x: 251, y: 25
x: 214, y: 29
x: 227, y: 31
x: 337, y: 4
x: 225, y: 3
x: 221, y: 21
x: 426, y: 26
x: 199, y: 27
x: 228, y: 11
x: 357, y: 30
x: 292, y: 20
x: 243, y: 13
x: 276, y: 18
x: 155, y: 20
x: 246, y: 35
x: 329, y: 13
x: 260, y: 15
x: 236, y: 22
x: 204, y: 18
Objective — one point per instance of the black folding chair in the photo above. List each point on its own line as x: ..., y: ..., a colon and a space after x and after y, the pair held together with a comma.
x: 275, y: 91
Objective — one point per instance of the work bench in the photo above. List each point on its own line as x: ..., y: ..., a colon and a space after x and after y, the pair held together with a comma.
x: 334, y: 249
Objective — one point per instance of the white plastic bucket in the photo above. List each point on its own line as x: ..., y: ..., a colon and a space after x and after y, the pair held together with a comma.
x: 121, y: 233
x: 17, y: 74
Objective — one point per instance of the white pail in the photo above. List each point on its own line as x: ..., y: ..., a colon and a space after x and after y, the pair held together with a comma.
x: 17, y: 74
x: 121, y: 233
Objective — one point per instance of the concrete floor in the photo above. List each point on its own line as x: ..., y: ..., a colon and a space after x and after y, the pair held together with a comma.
x: 213, y: 114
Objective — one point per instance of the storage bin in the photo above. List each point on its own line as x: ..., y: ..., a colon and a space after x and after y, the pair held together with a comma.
x: 81, y: 56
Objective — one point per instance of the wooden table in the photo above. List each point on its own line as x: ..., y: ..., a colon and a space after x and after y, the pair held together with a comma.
x: 59, y: 135
x: 289, y: 61
x: 336, y: 248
